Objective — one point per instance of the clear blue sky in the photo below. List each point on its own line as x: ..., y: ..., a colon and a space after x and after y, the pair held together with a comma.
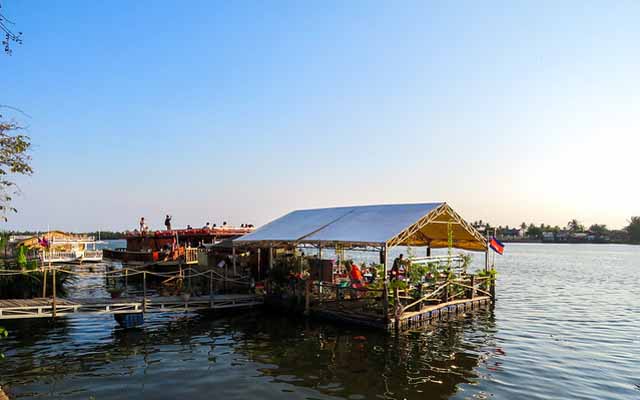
x: 242, y: 111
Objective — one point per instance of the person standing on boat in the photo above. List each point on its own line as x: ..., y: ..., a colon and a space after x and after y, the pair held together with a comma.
x: 167, y: 222
x: 142, y: 225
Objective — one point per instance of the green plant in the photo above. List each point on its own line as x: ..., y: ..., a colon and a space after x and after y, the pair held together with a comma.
x: 417, y: 272
x: 466, y: 261
x: 3, y: 333
x: 396, y: 284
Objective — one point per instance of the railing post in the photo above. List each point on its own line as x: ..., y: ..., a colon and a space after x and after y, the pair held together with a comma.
x: 211, y: 288
x: 126, y: 281
x: 307, y: 294
x: 398, y: 306
x: 492, y: 286
x: 385, y: 283
x: 44, y: 282
x: 54, y: 293
x: 144, y: 291
x: 473, y: 286
x: 446, y: 292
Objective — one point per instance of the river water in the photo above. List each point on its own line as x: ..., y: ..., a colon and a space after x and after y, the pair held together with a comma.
x: 566, y: 325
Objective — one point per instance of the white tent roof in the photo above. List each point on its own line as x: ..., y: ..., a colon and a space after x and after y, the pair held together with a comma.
x: 394, y: 224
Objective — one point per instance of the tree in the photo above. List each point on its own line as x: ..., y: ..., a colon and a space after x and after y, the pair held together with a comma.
x: 14, y: 159
x: 634, y: 229
x: 598, y: 229
x: 534, y: 232
x: 574, y: 226
x: 10, y: 37
x: 14, y: 146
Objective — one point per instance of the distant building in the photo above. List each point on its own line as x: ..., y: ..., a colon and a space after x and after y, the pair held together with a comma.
x: 512, y: 234
x: 548, y: 236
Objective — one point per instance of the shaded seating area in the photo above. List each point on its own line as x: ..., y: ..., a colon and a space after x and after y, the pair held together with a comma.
x: 311, y: 245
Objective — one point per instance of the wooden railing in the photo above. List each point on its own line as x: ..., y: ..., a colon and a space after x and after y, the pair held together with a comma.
x: 92, y: 253
x: 58, y: 255
x: 449, y: 290
x: 191, y: 255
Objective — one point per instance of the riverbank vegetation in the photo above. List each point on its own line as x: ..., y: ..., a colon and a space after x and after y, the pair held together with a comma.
x: 573, y: 232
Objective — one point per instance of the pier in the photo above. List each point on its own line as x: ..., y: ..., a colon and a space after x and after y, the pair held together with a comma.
x: 193, y: 290
x: 45, y: 308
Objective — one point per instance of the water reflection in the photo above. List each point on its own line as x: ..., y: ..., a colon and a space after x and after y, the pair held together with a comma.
x: 78, y: 357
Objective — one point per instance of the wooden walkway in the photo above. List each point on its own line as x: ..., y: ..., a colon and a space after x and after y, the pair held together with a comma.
x: 43, y: 308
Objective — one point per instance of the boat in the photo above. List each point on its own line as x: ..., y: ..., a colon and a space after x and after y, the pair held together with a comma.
x: 170, y: 247
x: 60, y: 247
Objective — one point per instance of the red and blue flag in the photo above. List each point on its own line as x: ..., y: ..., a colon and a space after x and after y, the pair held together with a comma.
x: 496, y: 245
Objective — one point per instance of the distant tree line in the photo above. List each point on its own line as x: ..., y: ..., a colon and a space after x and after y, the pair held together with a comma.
x: 573, y: 229
x: 106, y: 235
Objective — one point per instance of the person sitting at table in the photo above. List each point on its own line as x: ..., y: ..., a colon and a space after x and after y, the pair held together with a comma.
x: 356, y: 275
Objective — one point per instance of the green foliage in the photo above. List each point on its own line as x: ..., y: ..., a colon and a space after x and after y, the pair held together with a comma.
x: 534, y: 231
x: 634, y: 229
x: 14, y: 159
x: 598, y: 229
x: 575, y: 226
x: 466, y: 260
x: 417, y: 272
x: 491, y: 274
x: 396, y: 284
x: 3, y: 333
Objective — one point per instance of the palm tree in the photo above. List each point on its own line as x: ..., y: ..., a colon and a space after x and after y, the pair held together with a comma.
x: 575, y: 226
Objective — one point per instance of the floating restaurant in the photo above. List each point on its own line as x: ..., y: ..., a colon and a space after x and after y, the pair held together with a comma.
x: 301, y: 262
x: 412, y: 291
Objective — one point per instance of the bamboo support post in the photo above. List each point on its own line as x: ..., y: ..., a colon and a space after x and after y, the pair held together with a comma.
x: 233, y: 260
x: 398, y: 306
x: 226, y: 277
x: 44, y: 283
x: 210, y: 288
x: 473, y: 286
x: 258, y: 268
x: 126, y: 280
x: 385, y: 290
x: 446, y: 293
x: 144, y: 291
x: 54, y: 293
x: 307, y: 297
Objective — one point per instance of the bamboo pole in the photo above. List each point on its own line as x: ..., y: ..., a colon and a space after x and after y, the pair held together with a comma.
x: 473, y: 286
x: 258, y: 269
x: 54, y: 293
x: 144, y: 291
x: 307, y: 297
x: 44, y: 282
x: 233, y: 255
x: 385, y: 290
x: 210, y: 288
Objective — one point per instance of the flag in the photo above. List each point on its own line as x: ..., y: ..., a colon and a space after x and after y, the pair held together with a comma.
x: 43, y: 242
x: 496, y: 245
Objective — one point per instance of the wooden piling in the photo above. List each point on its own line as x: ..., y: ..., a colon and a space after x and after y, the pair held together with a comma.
x: 473, y: 285
x: 307, y: 296
x: 144, y: 291
x: 54, y: 294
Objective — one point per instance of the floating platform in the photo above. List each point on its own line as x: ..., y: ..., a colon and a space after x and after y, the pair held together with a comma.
x: 44, y: 308
x: 424, y: 316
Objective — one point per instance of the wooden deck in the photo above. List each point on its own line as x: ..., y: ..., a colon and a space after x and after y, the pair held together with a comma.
x: 43, y: 308
x: 429, y: 313
x: 340, y: 312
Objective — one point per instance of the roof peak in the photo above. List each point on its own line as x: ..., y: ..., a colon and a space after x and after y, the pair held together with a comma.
x: 429, y: 204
